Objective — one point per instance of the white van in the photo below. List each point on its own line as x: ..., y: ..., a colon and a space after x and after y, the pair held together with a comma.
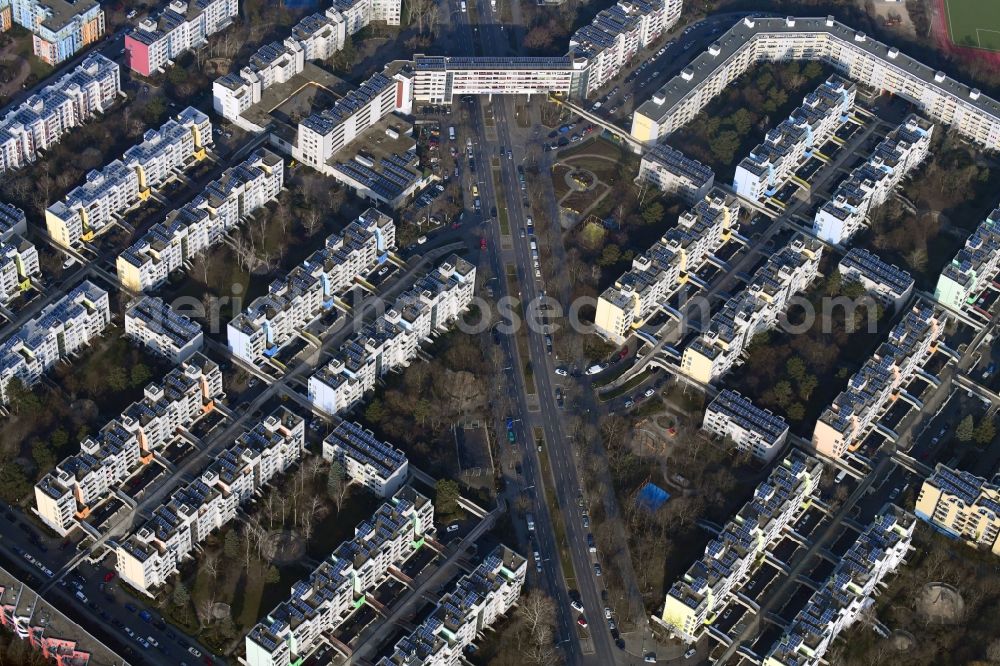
x: 451, y: 133
x: 462, y: 5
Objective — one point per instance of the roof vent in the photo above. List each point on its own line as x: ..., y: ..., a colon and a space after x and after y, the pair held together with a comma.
x: 749, y: 22
x: 659, y: 98
x: 687, y: 74
x: 974, y: 93
x: 715, y: 49
x: 893, y: 52
x: 860, y: 36
x: 790, y: 21
x: 829, y: 21
x: 939, y: 76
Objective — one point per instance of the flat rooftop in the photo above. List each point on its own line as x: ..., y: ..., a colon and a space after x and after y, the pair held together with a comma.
x: 313, y: 90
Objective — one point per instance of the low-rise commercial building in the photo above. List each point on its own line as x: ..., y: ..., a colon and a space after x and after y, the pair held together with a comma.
x: 847, y: 421
x: 886, y: 282
x: 81, y: 481
x: 392, y: 340
x: 342, y: 582
x: 673, y: 172
x: 154, y: 324
x: 60, y: 330
x: 693, y: 601
x: 774, y: 161
x: 755, y: 309
x: 871, y: 184
x: 18, y: 256
x: 366, y: 460
x: 201, y: 223
x: 476, y: 602
x: 294, y: 301
x: 44, y: 118
x: 59, y: 28
x: 183, y: 25
x: 660, y: 271
x: 752, y: 429
x: 122, y: 184
x: 146, y: 558
x: 852, y: 52
x: 848, y: 591
x: 963, y: 506
x: 973, y: 267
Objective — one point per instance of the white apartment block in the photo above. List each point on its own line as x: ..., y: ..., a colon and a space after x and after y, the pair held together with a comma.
x: 673, y: 172
x: 391, y: 341
x: 751, y: 428
x: 202, y: 222
x: 294, y: 301
x: 152, y: 46
x: 148, y: 557
x: 772, y: 163
x: 374, y: 464
x: 855, y: 411
x: 848, y: 592
x: 478, y: 600
x: 18, y: 257
x: 437, y: 79
x: 696, y: 598
x: 340, y: 584
x: 44, y: 118
x: 871, y: 184
x: 124, y: 183
x: 720, y: 348
x: 316, y: 37
x: 154, y: 324
x: 660, y: 271
x: 326, y: 132
x: 59, y: 331
x: 973, y: 267
x: 853, y: 53
x: 962, y: 506
x: 83, y: 480
x: 885, y: 282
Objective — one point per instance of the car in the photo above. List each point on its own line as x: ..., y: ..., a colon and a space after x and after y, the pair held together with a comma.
x: 629, y: 404
x: 591, y: 544
x: 598, y: 571
x: 894, y: 494
x: 649, y: 393
x: 582, y: 621
x: 482, y: 243
x: 452, y: 528
x: 510, y: 155
x: 586, y: 522
x: 650, y: 659
x: 421, y: 240
x: 145, y: 616
x: 194, y: 651
x: 607, y: 612
x: 130, y: 608
x: 562, y: 372
x: 69, y: 263
x: 108, y: 577
x: 623, y: 354
x: 576, y: 605
x: 152, y: 641
x: 690, y: 653
x: 523, y: 234
x: 143, y: 642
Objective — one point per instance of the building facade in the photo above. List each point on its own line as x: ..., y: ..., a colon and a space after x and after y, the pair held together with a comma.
x: 887, y: 283
x: 59, y: 28
x: 44, y: 118
x: 962, y: 506
x: 154, y: 324
x: 308, y: 290
x: 367, y: 461
x: 18, y: 256
x: 973, y: 267
x: 673, y: 172
x: 152, y: 46
x: 752, y: 429
x: 107, y: 194
x: 201, y: 223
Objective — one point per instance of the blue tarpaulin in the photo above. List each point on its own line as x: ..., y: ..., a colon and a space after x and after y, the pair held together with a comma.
x: 651, y: 497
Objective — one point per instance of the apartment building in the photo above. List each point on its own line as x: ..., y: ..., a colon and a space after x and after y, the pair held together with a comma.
x: 60, y: 330
x: 292, y: 302
x: 887, y: 283
x: 720, y: 348
x: 675, y: 173
x: 660, y: 271
x: 154, y: 324
x: 183, y: 25
x: 203, y: 222
x: 848, y: 592
x: 882, y: 379
x: 146, y: 558
x: 320, y: 136
x: 392, y: 340
x: 693, y: 601
x: 367, y: 461
x: 106, y: 460
x: 973, y: 267
x: 871, y: 184
x: 962, y: 506
x: 44, y: 118
x: 18, y: 256
x: 752, y: 429
x: 772, y: 163
x: 853, y: 53
x: 59, y: 28
x: 341, y: 583
x: 437, y: 79
x: 107, y: 194
x: 477, y: 601
x: 316, y: 37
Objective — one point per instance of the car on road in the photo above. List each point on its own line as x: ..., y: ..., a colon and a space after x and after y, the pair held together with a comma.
x: 591, y: 544
x: 598, y: 571
x: 629, y: 404
x: 586, y: 522
x: 576, y: 605
x: 194, y: 651
x: 562, y: 372
x: 130, y: 608
x: 607, y: 612
x: 482, y: 243
x: 108, y: 577
x: 690, y: 653
x: 582, y: 621
x: 649, y: 392
x: 650, y: 659
x: 421, y: 240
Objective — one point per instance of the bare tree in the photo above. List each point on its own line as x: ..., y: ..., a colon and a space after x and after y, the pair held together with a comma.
x: 337, y: 483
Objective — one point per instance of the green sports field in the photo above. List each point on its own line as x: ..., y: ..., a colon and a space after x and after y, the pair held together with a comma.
x: 974, y: 23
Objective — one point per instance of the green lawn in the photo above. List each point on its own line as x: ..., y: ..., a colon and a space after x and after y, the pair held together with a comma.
x: 974, y: 23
